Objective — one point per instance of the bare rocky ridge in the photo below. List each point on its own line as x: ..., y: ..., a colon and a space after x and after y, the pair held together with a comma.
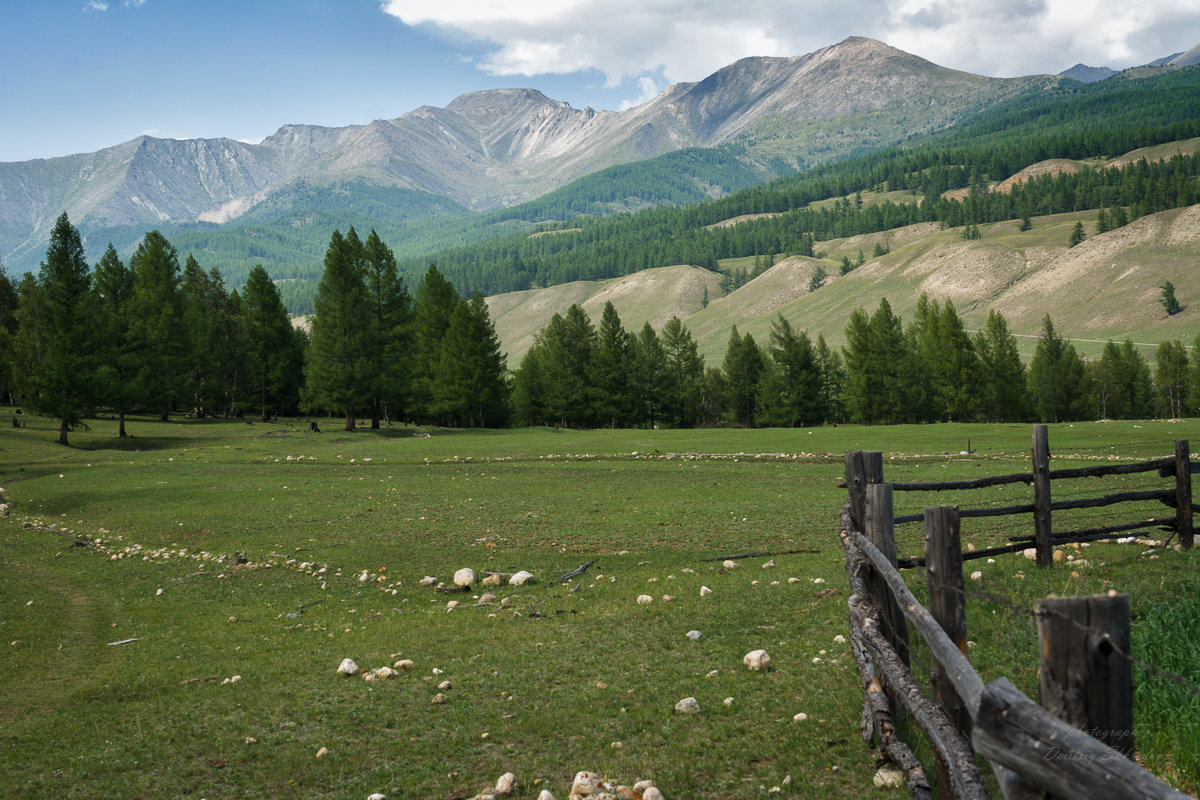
x: 495, y: 148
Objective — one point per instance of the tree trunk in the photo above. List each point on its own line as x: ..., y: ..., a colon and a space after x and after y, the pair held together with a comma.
x: 62, y: 434
x: 349, y: 418
x: 121, y: 424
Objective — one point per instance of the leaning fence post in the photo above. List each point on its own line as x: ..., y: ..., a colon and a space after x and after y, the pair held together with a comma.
x: 1183, y: 493
x: 1041, y: 495
x: 881, y: 533
x: 1087, y: 677
x: 947, y: 604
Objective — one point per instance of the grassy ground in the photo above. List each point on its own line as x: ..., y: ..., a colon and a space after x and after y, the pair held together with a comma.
x: 560, y: 679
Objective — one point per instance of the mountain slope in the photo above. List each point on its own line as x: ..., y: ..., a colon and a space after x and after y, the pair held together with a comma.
x: 496, y: 148
x: 1106, y: 287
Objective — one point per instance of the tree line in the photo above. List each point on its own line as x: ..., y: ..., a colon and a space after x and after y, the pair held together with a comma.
x: 153, y: 337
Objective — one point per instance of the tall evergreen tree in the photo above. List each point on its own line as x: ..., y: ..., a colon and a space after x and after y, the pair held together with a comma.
x: 791, y: 387
x: 156, y: 329
x: 1057, y: 380
x: 1121, y: 382
x: 1003, y: 394
x: 272, y: 356
x: 61, y: 380
x: 118, y: 365
x: 612, y: 370
x: 651, y: 376
x: 391, y: 313
x: 743, y: 368
x: 470, y: 387
x: 686, y: 367
x: 8, y: 332
x: 337, y: 369
x: 433, y: 304
x: 833, y: 381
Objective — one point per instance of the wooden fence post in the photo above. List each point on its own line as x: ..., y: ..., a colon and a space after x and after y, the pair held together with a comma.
x: 947, y: 604
x: 1183, y: 493
x: 1041, y: 496
x: 881, y: 533
x: 863, y: 467
x: 1087, y: 678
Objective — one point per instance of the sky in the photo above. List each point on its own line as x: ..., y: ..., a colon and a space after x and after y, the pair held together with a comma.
x: 81, y: 75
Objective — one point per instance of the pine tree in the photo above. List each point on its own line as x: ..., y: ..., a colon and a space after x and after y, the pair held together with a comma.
x: 156, y: 329
x: 612, y: 368
x: 791, y: 389
x: 117, y: 363
x: 686, y: 368
x: 1003, y: 394
x: 470, y: 386
x: 271, y: 353
x: 388, y: 355
x: 60, y: 318
x: 1168, y: 299
x: 1057, y: 380
x: 433, y: 303
x: 1077, y: 235
x: 651, y: 376
x: 337, y: 370
x: 742, y: 367
x: 833, y: 381
x: 8, y: 332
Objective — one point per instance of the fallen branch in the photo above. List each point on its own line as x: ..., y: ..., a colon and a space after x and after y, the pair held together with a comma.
x: 125, y: 641
x: 575, y: 573
x: 198, y: 680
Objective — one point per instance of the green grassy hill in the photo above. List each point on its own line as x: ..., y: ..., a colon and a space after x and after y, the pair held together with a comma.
x: 1106, y: 287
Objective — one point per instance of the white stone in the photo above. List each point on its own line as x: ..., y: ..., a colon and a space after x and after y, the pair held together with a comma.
x: 158, y: 593
x: 889, y: 777
x: 728, y: 701
x: 757, y: 660
x: 487, y: 597
x: 521, y: 578
x: 800, y: 717
x: 451, y: 604
x: 644, y: 599
x: 545, y: 795
x: 705, y: 591
x: 324, y: 751
x: 976, y: 575
x: 492, y: 579
x: 376, y: 796
x: 404, y: 663
x: 444, y: 685
x: 694, y: 635
x: 428, y: 580
x: 347, y: 667
x: 769, y: 564
x: 383, y: 673
x: 730, y: 564
x: 506, y: 783
x: 464, y: 577
x: 688, y: 705
x: 652, y: 794
x: 586, y: 783
x: 668, y: 598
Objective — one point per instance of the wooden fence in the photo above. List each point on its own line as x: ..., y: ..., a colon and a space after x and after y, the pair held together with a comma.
x: 1086, y: 678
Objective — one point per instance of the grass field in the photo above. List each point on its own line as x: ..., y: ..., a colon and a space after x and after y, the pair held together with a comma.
x: 558, y: 678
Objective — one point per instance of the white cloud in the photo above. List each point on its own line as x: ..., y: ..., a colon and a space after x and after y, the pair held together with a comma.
x: 95, y: 6
x: 685, y: 40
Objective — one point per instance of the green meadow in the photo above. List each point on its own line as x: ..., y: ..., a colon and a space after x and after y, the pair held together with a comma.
x: 138, y: 577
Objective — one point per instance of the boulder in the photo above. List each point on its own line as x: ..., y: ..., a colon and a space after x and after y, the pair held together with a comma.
x: 644, y: 600
x: 465, y: 577
x: 347, y: 667
x: 688, y: 705
x: 586, y: 783
x: 521, y: 578
x: 757, y: 660
x: 506, y: 783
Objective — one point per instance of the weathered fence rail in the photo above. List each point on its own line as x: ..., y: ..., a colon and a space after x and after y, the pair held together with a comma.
x: 1085, y: 671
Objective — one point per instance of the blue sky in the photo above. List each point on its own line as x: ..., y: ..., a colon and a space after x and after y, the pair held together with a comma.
x: 80, y: 75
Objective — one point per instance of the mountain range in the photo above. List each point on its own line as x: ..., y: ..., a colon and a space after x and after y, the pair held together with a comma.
x: 494, y: 148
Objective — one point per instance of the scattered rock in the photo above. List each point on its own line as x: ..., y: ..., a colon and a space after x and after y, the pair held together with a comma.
x: 695, y: 636
x: 730, y: 564
x: 976, y: 575
x: 158, y: 593
x: 668, y: 598
x: 769, y: 564
x: 404, y: 664
x: 705, y: 591
x: 800, y: 717
x: 383, y: 673
x: 889, y: 777
x: 728, y: 701
x: 586, y: 783
x: 506, y: 783
x: 757, y: 660
x: 644, y: 599
x: 487, y: 597
x: 521, y: 578
x: 347, y: 667
x: 688, y: 705
x: 324, y: 751
x: 428, y: 580
x: 465, y: 577
x: 376, y: 796
x: 652, y: 793
x: 445, y: 686
x: 438, y: 699
x: 545, y: 795
x: 451, y: 605
x: 492, y: 579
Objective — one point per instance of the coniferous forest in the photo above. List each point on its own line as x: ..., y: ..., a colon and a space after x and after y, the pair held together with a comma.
x: 399, y: 340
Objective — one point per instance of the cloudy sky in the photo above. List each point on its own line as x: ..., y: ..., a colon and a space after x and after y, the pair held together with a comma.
x: 80, y: 75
